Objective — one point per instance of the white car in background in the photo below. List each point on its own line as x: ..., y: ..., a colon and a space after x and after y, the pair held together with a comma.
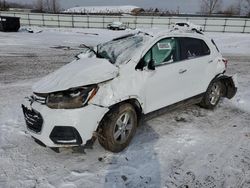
x: 106, y: 96
x: 116, y: 26
x: 187, y: 26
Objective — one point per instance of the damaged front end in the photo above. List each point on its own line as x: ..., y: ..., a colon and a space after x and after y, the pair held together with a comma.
x: 72, y: 98
x: 63, y: 118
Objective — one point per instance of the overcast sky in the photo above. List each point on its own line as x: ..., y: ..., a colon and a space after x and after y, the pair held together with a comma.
x: 185, y: 6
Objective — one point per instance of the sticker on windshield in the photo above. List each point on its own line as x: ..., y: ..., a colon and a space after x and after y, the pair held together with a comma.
x: 164, y: 46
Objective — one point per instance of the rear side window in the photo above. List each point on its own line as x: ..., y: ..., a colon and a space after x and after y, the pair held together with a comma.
x: 192, y: 48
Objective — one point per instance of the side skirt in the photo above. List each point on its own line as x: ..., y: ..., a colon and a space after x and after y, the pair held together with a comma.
x: 187, y: 102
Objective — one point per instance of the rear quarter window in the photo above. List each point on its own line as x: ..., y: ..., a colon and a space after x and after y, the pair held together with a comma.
x: 192, y: 48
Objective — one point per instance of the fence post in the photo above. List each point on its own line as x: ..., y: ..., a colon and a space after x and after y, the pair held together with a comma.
x: 152, y: 21
x: 58, y: 20
x: 244, y: 27
x: 103, y: 19
x: 135, y: 21
x: 29, y: 18
x: 43, y: 20
x: 88, y: 21
x: 72, y: 20
x: 225, y: 25
x: 205, y: 26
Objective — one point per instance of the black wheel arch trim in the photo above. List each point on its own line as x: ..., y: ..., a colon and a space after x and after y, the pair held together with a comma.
x: 229, y: 87
x: 132, y: 101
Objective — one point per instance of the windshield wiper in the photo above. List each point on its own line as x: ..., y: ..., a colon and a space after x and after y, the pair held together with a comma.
x: 90, y: 48
x: 145, y: 33
x: 123, y: 37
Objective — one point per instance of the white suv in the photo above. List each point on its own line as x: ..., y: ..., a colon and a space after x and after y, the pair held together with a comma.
x: 187, y: 26
x: 105, y: 94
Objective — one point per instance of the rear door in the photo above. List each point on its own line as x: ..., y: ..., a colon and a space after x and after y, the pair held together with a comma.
x: 196, y: 55
x: 182, y: 70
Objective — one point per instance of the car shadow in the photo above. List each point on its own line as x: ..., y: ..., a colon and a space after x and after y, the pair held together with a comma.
x: 138, y: 165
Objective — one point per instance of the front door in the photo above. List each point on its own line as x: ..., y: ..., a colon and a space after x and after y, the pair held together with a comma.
x: 178, y: 74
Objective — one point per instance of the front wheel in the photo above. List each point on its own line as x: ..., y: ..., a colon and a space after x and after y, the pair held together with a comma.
x: 212, y: 95
x: 118, y: 128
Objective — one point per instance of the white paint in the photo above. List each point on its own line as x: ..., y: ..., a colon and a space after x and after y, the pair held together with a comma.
x: 80, y: 72
x: 164, y: 150
x: 152, y: 89
x: 85, y: 120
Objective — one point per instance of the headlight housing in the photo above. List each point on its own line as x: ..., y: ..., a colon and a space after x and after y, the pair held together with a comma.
x: 72, y: 98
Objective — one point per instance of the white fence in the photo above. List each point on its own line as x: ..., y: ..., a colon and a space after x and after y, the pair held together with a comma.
x: 212, y: 24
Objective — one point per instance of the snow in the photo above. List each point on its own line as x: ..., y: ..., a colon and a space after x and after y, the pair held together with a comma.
x: 189, y: 146
x: 102, y: 9
x: 89, y: 71
x: 233, y: 43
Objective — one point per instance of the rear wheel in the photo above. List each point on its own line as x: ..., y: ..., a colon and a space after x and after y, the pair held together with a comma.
x: 118, y: 128
x: 212, y: 95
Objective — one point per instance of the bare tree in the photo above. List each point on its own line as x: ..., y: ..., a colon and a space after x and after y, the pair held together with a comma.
x: 55, y: 6
x: 232, y: 10
x: 39, y: 5
x: 243, y: 7
x: 210, y: 6
x: 52, y: 6
x: 239, y: 6
x: 3, y: 5
x: 247, y: 7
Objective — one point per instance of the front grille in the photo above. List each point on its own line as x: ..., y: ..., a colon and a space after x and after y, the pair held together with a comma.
x: 33, y: 119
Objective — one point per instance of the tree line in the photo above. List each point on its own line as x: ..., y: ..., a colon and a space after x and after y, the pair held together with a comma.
x: 207, y: 7
x: 240, y: 8
x: 47, y: 6
x: 51, y: 6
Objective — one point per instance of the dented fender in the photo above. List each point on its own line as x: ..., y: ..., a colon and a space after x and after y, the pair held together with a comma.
x: 230, y: 85
x: 122, y: 88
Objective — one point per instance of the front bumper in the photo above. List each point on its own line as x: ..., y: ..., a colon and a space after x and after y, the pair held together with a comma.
x: 82, y: 123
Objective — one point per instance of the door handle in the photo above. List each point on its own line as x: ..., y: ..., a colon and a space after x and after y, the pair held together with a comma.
x: 181, y: 71
x: 211, y: 61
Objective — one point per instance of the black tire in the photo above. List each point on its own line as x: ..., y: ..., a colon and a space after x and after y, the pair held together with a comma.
x: 212, y: 96
x: 116, y: 136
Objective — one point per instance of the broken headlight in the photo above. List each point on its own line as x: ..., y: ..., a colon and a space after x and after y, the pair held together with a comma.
x: 72, y: 98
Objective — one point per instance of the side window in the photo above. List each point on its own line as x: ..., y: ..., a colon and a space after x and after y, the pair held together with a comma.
x: 164, y: 51
x: 192, y: 48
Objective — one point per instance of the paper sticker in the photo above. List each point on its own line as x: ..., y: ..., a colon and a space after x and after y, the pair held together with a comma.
x: 164, y: 46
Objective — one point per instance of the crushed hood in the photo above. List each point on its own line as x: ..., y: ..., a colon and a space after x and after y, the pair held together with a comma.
x: 84, y: 71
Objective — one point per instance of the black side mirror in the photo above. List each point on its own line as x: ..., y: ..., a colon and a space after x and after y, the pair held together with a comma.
x: 140, y: 65
x: 151, y: 64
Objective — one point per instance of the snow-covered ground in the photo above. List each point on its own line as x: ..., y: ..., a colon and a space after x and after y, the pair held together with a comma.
x: 188, y: 147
